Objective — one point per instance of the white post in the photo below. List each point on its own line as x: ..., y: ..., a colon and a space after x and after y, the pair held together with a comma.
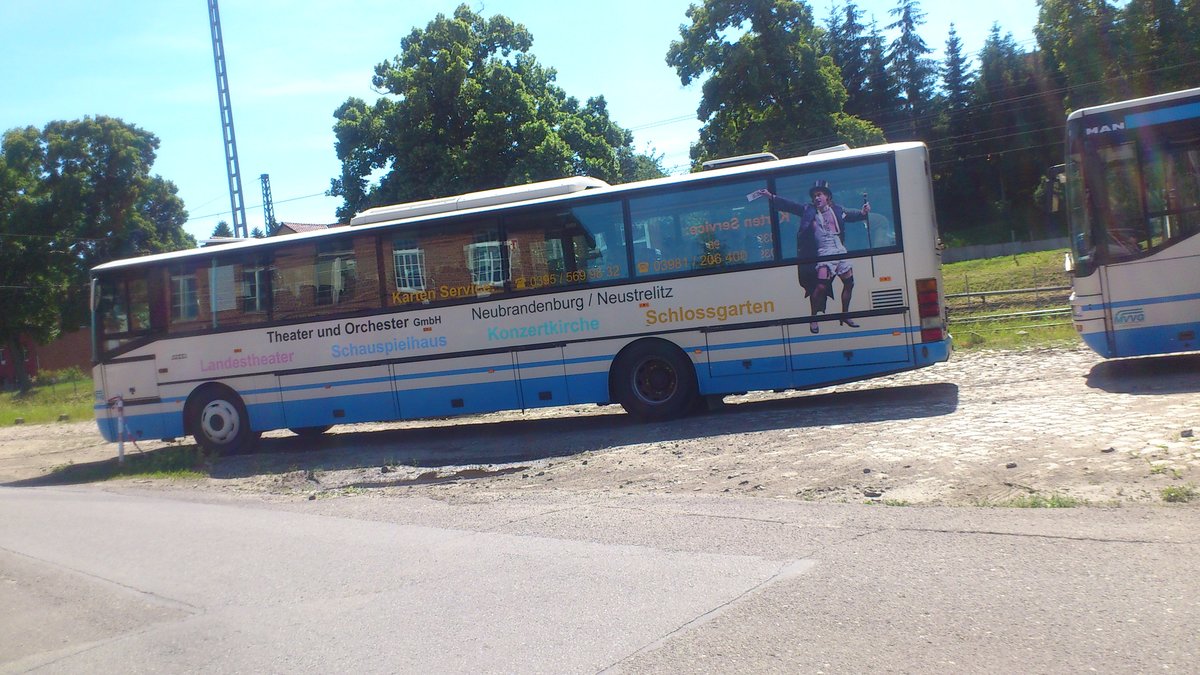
x: 120, y: 404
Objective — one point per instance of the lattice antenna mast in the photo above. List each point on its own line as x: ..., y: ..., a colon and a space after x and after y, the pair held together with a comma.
x: 231, y: 159
x: 268, y: 207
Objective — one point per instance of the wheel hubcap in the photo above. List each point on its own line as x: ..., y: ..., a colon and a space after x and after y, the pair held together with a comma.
x: 655, y: 381
x: 220, y: 422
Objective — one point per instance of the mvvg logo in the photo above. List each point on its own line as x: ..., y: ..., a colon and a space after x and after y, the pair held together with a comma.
x: 1128, y: 316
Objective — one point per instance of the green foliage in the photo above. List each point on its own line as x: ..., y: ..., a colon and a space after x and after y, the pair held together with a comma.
x: 468, y: 108
x: 1179, y: 494
x: 1036, y: 501
x: 1103, y: 51
x: 74, y: 195
x: 767, y: 86
x: 222, y: 230
x: 845, y: 41
x: 913, y: 71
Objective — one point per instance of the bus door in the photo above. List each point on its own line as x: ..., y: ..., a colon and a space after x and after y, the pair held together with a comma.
x: 1136, y: 318
x: 542, y: 376
x: 138, y: 378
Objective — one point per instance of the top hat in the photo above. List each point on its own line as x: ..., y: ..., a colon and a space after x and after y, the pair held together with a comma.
x: 820, y: 186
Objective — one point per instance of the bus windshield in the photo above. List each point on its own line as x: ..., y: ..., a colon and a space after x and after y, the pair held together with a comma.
x: 1131, y: 191
x: 1133, y: 211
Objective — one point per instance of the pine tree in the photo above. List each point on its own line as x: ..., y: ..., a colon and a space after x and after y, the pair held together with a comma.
x: 912, y: 70
x: 222, y: 230
x: 950, y: 145
x: 880, y: 103
x: 846, y: 42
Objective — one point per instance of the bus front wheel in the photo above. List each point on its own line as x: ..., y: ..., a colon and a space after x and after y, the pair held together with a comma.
x: 218, y: 421
x: 654, y: 381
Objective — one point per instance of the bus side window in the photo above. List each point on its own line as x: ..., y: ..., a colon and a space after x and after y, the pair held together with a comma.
x: 850, y: 190
x: 567, y: 247
x: 715, y: 227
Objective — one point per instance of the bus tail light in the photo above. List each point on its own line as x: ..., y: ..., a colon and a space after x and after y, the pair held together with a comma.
x: 929, y: 307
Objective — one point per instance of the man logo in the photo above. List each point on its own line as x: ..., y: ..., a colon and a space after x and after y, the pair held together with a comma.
x: 1106, y: 128
x: 1127, y: 316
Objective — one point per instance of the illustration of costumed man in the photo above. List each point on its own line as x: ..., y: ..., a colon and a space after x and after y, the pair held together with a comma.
x: 822, y: 233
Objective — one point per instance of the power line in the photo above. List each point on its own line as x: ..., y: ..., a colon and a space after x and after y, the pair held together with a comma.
x: 259, y: 206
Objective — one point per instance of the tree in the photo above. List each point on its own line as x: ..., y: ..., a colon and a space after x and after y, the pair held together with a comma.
x: 846, y: 42
x: 951, y: 141
x: 771, y: 89
x: 880, y: 100
x: 469, y: 108
x: 912, y: 70
x: 956, y: 75
x: 222, y: 230
x: 1153, y: 43
x: 1016, y: 136
x: 72, y: 196
x: 1078, y: 36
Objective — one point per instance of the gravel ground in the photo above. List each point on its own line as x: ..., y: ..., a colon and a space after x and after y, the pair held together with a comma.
x: 985, y: 428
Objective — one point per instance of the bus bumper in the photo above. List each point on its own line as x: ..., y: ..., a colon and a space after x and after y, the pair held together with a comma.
x: 929, y: 353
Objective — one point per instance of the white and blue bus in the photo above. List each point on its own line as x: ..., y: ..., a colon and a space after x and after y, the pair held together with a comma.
x: 1133, y: 209
x: 653, y: 295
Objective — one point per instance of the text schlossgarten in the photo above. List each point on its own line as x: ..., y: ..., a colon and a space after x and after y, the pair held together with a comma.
x: 538, y: 329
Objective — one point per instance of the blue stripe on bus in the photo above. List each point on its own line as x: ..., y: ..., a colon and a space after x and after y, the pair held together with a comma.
x: 1145, y: 341
x: 1176, y: 113
x: 1140, y: 302
x: 818, y: 337
x: 396, y: 404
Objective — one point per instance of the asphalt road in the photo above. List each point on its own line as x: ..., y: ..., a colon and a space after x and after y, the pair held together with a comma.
x: 121, y: 580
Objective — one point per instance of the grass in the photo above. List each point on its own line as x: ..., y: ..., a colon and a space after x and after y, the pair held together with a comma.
x: 1036, y: 501
x: 183, y: 462
x: 55, y: 394
x: 976, y: 322
x: 1179, y: 494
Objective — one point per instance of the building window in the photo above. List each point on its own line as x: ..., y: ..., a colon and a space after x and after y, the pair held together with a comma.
x: 184, y: 303
x: 254, y: 289
x: 485, y: 262
x: 409, y: 261
x: 337, y: 272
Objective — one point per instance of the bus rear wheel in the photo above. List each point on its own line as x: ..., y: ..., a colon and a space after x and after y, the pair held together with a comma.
x: 654, y: 381
x: 219, y: 422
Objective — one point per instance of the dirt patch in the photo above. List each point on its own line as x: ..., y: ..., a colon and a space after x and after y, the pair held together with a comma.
x: 983, y: 428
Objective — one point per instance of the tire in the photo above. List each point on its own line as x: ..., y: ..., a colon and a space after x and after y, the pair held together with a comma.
x: 653, y: 380
x: 218, y: 421
x: 310, y: 432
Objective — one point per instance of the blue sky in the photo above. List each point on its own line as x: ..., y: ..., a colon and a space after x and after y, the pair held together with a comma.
x: 291, y: 63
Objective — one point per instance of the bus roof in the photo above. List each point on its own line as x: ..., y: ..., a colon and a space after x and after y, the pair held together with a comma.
x: 472, y: 200
x: 1133, y: 103
x: 431, y: 210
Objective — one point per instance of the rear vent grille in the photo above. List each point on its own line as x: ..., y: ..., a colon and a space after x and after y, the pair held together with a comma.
x: 887, y: 299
